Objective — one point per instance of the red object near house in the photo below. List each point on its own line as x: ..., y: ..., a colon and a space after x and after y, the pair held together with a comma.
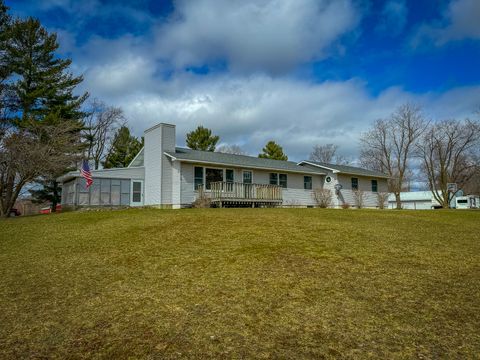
x: 15, y: 212
x: 48, y: 210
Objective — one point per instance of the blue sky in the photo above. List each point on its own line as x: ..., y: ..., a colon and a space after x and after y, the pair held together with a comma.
x: 301, y: 72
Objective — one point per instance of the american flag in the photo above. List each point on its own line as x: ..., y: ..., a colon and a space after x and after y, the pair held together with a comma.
x: 85, y: 171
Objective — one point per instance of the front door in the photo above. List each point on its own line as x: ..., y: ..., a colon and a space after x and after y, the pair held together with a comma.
x: 137, y: 193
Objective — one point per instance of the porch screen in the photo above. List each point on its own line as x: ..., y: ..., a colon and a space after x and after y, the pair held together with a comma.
x: 106, y: 192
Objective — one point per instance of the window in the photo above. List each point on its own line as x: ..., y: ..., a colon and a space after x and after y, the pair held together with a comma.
x: 247, y: 177
x: 213, y: 175
x: 105, y: 192
x: 462, y: 201
x: 198, y: 181
x: 278, y: 179
x: 125, y: 192
x: 136, y: 191
x: 307, y: 182
x: 354, y: 183
x: 273, y: 179
x: 374, y: 186
x: 95, y: 192
x: 115, y: 192
x: 229, y: 176
x: 328, y: 179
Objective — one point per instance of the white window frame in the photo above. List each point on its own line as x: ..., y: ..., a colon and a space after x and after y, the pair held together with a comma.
x: 251, y: 174
x: 132, y: 203
x: 204, y: 181
x: 225, y: 174
x: 278, y: 178
x: 311, y: 182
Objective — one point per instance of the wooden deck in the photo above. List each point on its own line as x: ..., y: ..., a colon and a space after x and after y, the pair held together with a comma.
x: 230, y: 194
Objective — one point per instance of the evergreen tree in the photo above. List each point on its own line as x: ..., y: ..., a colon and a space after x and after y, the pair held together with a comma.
x: 5, y: 68
x: 273, y: 151
x: 49, y: 192
x: 202, y: 139
x: 123, y: 150
x: 42, y: 84
x: 37, y: 98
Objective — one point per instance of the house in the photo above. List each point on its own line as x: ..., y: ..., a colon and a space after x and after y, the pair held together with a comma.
x: 165, y: 175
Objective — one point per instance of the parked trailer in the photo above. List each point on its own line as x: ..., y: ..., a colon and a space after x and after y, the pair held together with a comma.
x: 468, y: 202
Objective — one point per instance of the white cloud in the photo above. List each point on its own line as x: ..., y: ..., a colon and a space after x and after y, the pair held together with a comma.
x: 460, y: 21
x: 265, y: 35
x: 393, y: 17
x: 249, y: 111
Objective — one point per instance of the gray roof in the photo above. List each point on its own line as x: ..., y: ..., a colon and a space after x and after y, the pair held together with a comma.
x: 346, y: 169
x: 196, y: 156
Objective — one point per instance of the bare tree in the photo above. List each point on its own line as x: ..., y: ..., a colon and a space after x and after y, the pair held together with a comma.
x: 231, y: 149
x: 450, y: 154
x: 382, y: 198
x: 323, y: 153
x: 100, y: 126
x: 359, y: 197
x: 323, y: 197
x: 327, y: 154
x: 26, y: 154
x: 390, y: 144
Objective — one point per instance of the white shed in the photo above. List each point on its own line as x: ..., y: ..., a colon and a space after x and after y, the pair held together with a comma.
x: 414, y: 200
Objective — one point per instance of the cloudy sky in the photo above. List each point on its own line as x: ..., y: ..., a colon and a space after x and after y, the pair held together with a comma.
x: 300, y: 72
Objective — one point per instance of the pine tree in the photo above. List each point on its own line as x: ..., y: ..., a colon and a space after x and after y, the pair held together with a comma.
x: 123, y: 150
x: 49, y: 191
x: 37, y: 97
x: 42, y: 84
x: 202, y: 139
x: 273, y: 151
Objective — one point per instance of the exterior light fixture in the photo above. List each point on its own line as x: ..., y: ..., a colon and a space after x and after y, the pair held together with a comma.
x: 338, y: 187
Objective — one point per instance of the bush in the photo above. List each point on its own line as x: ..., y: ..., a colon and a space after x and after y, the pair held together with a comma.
x: 381, y: 199
x: 345, y: 205
x: 323, y: 197
x: 359, y: 196
x: 202, y: 201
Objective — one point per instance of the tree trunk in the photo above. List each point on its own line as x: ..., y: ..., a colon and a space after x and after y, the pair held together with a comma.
x: 11, y: 192
x: 398, y: 200
x: 55, y: 196
x: 6, y: 201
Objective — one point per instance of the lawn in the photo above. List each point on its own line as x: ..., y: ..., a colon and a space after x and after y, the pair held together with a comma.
x: 241, y: 283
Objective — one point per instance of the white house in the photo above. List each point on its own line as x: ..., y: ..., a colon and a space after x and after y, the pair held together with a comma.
x: 164, y: 175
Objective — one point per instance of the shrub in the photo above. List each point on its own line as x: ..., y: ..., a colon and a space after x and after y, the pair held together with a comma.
x: 202, y: 201
x: 381, y: 199
x: 323, y: 197
x: 359, y: 197
x: 345, y: 205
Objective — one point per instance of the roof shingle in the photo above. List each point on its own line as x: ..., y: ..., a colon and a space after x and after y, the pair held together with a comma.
x: 185, y: 154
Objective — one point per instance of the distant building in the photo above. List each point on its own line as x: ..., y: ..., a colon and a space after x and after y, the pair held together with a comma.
x: 417, y: 200
x: 468, y: 202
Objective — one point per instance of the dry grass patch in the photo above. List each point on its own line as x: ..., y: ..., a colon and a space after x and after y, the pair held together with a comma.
x: 241, y: 283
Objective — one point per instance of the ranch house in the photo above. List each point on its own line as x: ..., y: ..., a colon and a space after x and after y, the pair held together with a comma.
x: 165, y: 175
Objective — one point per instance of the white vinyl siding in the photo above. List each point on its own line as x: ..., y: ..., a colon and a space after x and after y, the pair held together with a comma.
x: 364, y: 185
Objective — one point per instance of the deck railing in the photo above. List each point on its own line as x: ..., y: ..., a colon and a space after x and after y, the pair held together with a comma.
x: 222, y: 190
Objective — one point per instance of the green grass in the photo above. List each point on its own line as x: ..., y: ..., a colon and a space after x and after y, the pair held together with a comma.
x: 241, y: 283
